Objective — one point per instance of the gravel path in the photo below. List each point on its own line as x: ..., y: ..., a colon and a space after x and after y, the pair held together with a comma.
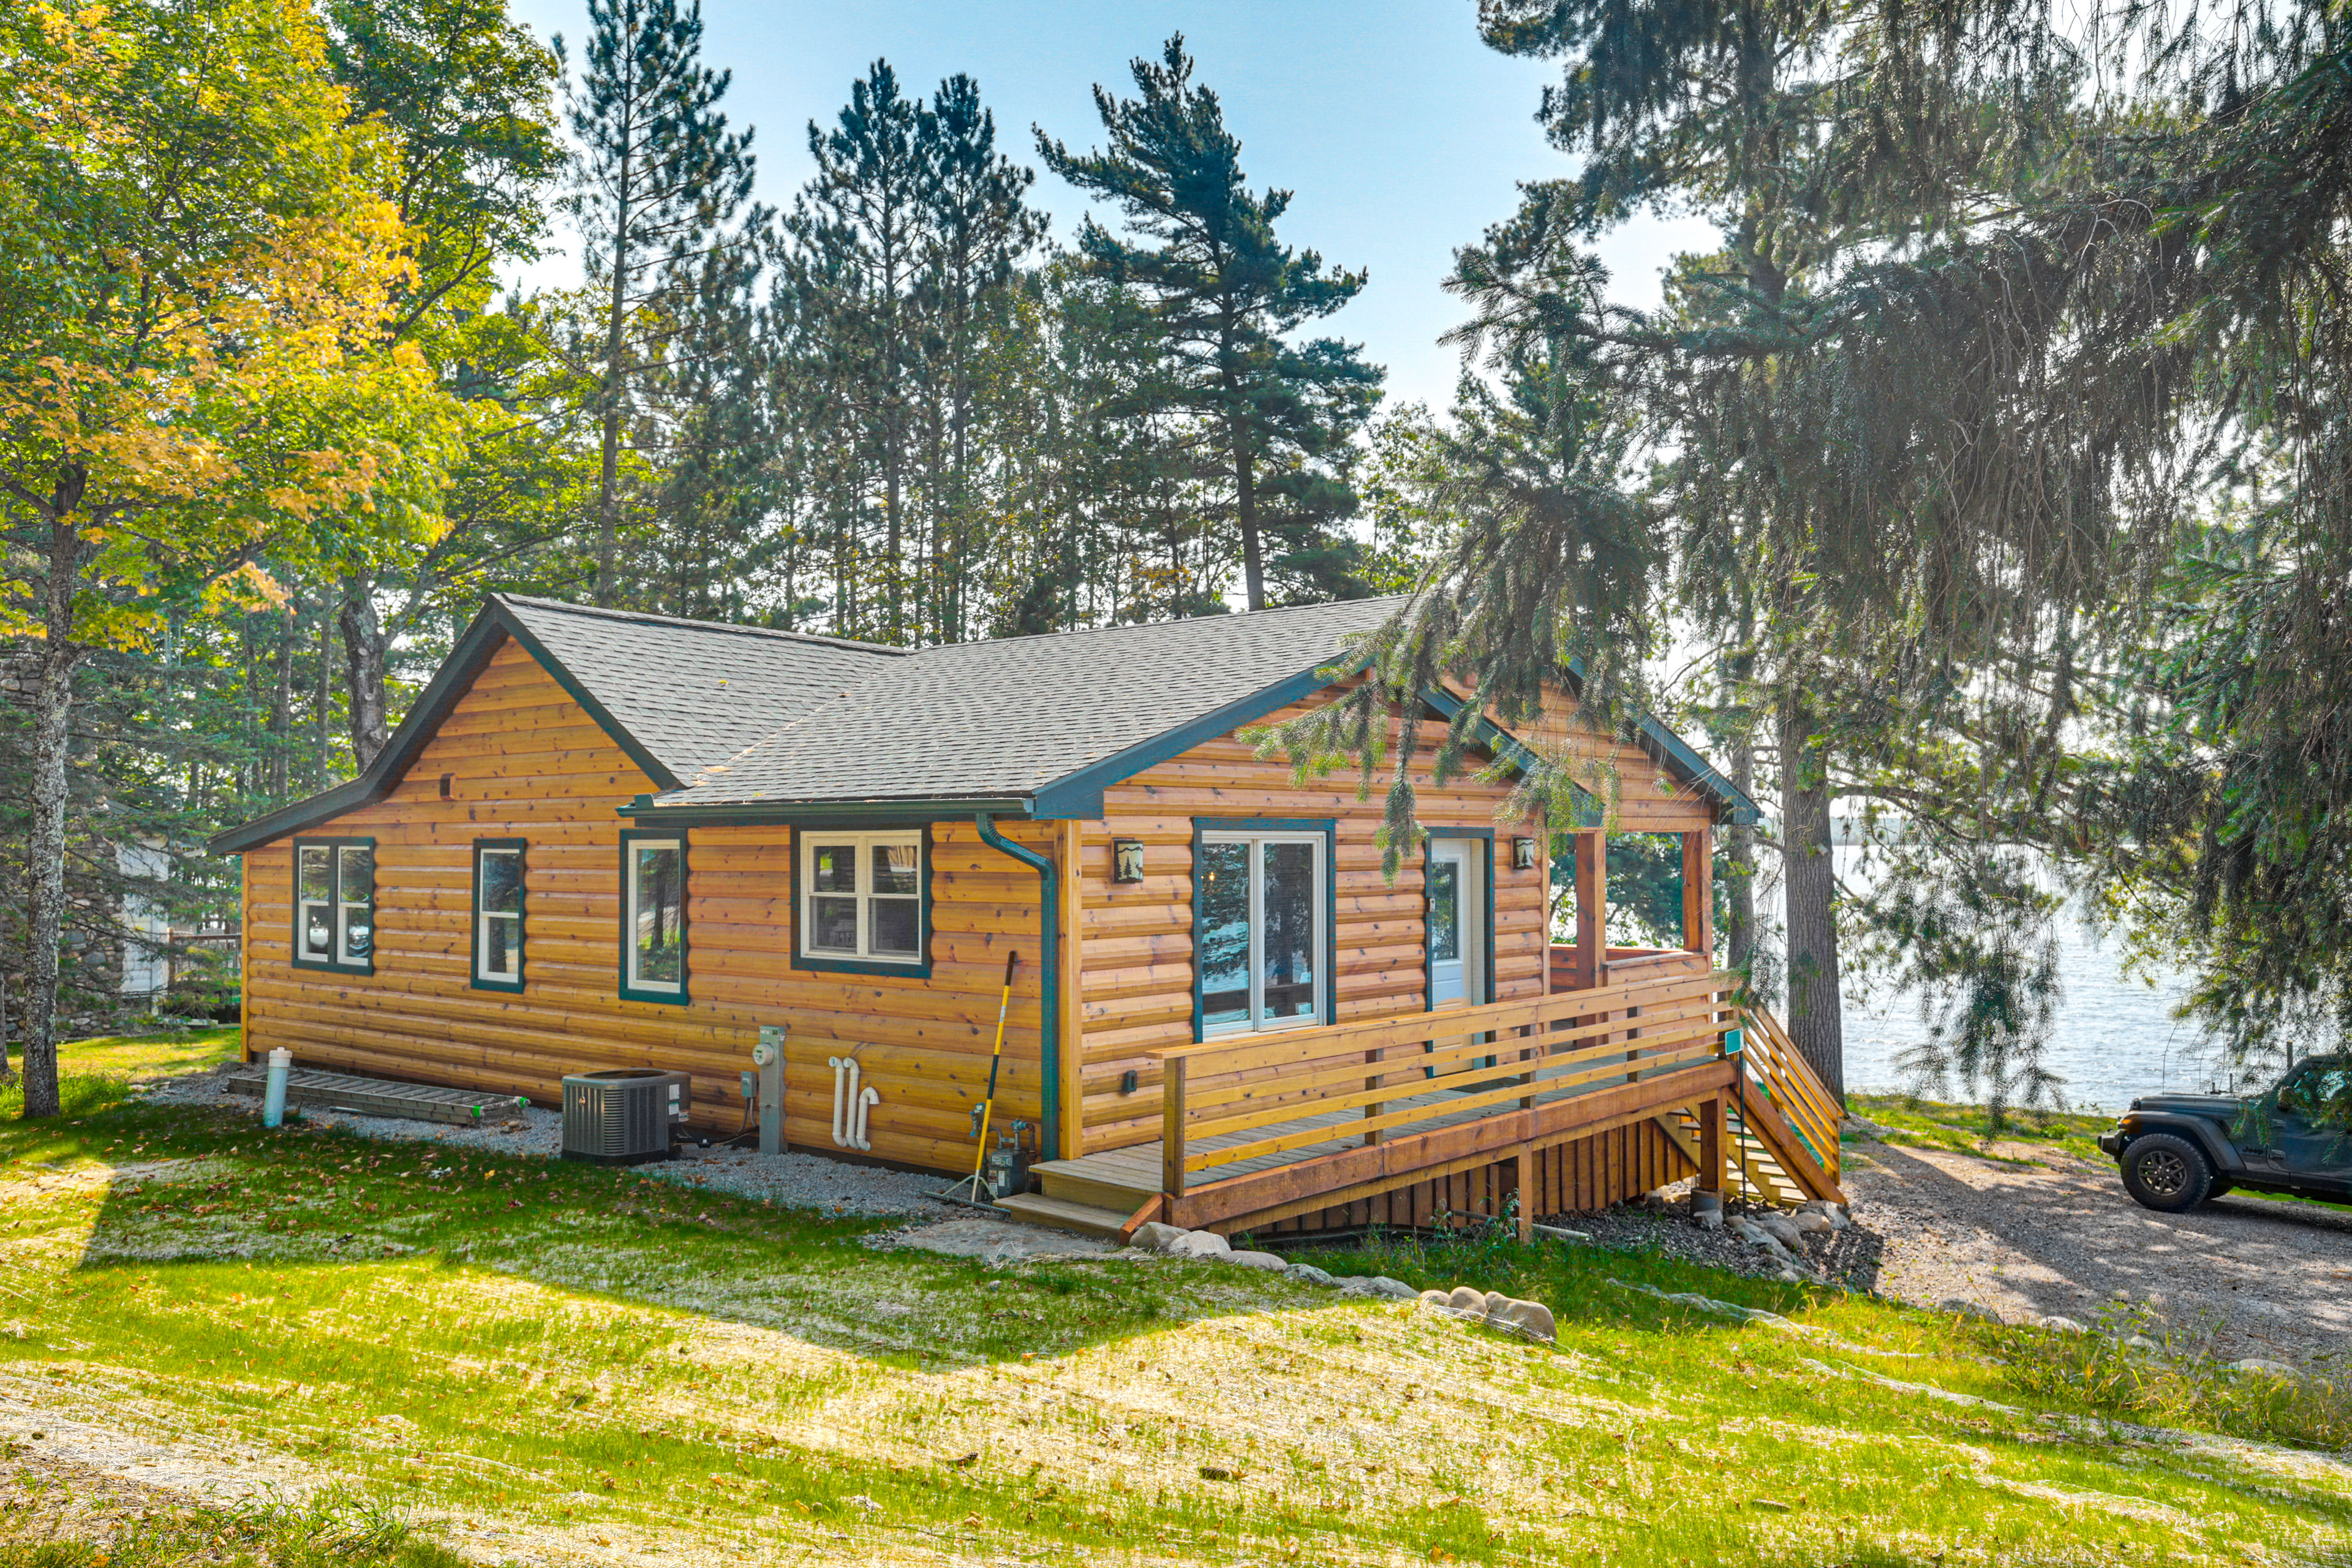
x: 793, y: 1180
x: 2059, y: 1235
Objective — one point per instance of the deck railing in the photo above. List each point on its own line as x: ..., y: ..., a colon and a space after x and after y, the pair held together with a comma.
x: 1771, y: 1061
x: 1266, y: 1096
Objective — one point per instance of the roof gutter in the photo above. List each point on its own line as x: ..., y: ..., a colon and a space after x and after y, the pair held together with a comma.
x: 1049, y: 968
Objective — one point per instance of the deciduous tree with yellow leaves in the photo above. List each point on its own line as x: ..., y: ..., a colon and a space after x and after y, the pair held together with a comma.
x: 197, y: 266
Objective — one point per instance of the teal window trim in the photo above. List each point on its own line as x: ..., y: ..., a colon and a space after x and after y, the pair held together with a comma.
x: 920, y: 969
x: 1329, y: 828
x: 629, y: 990
x: 334, y: 848
x: 521, y: 849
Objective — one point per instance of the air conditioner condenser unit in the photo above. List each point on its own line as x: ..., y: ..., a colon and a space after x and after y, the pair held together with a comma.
x: 623, y: 1116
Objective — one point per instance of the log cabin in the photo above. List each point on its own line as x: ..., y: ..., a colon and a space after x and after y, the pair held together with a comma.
x: 604, y: 838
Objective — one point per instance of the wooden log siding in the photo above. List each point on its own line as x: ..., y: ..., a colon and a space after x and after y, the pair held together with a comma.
x: 1136, y: 988
x: 529, y: 764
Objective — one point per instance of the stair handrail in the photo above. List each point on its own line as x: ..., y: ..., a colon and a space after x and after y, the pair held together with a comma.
x: 1788, y: 1079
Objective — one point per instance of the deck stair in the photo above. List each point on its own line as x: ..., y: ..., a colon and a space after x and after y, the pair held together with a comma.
x: 1063, y: 1214
x: 379, y: 1097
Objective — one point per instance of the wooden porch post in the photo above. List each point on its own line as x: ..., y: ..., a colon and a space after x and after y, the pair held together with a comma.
x: 1171, y: 1135
x: 1591, y: 909
x: 1527, y: 1193
x: 1711, y: 1141
x: 1698, y: 892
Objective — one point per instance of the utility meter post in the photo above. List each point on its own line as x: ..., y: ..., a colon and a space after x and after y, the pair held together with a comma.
x: 768, y: 1055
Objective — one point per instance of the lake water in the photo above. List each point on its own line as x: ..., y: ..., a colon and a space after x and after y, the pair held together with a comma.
x: 2115, y: 1037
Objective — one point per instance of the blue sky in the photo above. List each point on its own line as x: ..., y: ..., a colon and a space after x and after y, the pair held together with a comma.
x: 1401, y: 134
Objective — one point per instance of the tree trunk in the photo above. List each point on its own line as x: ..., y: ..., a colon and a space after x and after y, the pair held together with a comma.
x: 46, y: 841
x: 1246, y: 516
x: 322, y: 701
x: 365, y: 653
x: 1739, y: 878
x: 613, y: 394
x: 281, y: 706
x: 1816, y: 1019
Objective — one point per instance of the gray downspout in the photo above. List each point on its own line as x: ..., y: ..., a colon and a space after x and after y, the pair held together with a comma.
x: 1049, y: 963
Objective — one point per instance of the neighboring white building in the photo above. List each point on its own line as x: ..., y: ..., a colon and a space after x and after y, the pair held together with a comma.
x: 146, y: 930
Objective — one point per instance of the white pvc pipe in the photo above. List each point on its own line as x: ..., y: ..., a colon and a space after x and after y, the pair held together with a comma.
x: 840, y: 1102
x: 866, y: 1102
x: 849, y: 1106
x: 273, y: 1100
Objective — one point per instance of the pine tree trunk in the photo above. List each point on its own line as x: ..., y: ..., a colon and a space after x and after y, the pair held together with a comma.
x: 1816, y: 1018
x: 1246, y: 515
x: 613, y: 393
x: 1739, y: 877
x: 365, y: 653
x: 322, y: 701
x: 46, y: 842
x: 281, y: 706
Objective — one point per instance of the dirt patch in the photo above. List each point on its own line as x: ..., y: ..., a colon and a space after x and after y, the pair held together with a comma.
x: 2057, y: 1234
x: 45, y: 1497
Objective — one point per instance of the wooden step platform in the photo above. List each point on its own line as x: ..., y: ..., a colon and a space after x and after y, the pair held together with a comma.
x: 1061, y: 1214
x: 380, y: 1096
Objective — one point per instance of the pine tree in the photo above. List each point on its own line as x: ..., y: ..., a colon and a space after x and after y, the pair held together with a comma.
x: 859, y: 228
x: 979, y: 229
x: 1224, y: 294
x: 660, y: 176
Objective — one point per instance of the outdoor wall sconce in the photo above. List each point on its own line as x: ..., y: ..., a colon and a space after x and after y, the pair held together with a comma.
x: 1522, y: 854
x: 1127, y: 1081
x: 1127, y: 859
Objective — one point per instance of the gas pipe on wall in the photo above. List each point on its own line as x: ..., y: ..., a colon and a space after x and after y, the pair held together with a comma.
x: 851, y: 1104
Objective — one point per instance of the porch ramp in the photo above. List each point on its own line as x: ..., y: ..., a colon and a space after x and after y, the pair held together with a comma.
x: 1261, y: 1128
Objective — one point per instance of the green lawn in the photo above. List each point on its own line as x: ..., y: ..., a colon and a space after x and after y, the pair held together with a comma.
x: 598, y: 1364
x: 1968, y: 1128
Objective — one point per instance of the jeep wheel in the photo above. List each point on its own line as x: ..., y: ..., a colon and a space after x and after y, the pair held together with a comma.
x: 2166, y: 1173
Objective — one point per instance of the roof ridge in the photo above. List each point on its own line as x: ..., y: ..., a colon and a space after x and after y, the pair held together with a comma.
x: 651, y: 618
x: 1229, y: 618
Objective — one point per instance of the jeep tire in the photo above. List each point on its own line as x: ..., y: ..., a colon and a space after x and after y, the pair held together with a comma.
x: 2166, y: 1173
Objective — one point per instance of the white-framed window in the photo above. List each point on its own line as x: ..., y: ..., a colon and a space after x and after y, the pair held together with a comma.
x: 1261, y: 924
x: 653, y: 919
x: 498, y: 913
x: 861, y: 896
x: 335, y: 903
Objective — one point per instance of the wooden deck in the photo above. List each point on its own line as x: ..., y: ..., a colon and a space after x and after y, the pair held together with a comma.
x: 1260, y: 1128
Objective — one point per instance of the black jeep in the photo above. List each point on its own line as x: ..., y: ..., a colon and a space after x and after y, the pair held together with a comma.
x: 2178, y: 1150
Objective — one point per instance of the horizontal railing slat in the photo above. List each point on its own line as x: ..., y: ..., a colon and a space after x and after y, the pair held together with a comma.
x: 1354, y: 1068
x: 1346, y: 1132
x: 1290, y: 1047
x: 1470, y: 1064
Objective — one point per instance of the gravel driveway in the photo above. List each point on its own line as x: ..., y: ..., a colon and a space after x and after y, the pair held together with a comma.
x: 2272, y: 1279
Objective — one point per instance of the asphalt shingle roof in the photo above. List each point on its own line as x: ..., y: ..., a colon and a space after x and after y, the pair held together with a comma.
x: 694, y: 693
x: 1007, y: 718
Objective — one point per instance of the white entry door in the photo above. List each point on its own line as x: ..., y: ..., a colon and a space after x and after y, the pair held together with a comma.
x: 1457, y: 917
